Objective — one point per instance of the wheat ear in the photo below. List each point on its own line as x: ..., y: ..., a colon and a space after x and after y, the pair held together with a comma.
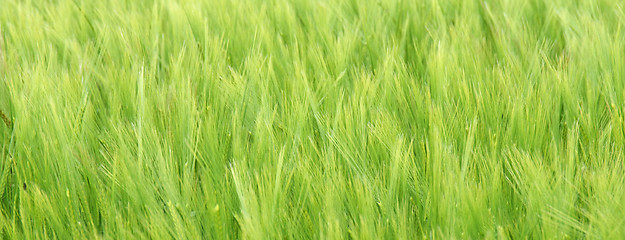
x: 6, y: 119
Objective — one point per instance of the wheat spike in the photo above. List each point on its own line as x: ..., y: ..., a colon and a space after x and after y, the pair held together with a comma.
x: 6, y: 119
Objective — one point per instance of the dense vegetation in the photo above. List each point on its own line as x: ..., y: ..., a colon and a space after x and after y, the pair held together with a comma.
x: 312, y: 119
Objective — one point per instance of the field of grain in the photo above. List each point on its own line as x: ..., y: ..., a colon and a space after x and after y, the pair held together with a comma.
x: 312, y: 119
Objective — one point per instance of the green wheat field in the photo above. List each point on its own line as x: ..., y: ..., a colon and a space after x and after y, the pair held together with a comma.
x: 312, y: 119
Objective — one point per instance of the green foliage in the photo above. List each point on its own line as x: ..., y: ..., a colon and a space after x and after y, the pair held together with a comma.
x: 294, y: 119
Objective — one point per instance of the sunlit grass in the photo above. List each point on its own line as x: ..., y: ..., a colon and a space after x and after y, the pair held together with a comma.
x: 312, y: 119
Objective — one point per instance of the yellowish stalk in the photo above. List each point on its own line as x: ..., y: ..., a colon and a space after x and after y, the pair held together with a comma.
x: 2, y: 63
